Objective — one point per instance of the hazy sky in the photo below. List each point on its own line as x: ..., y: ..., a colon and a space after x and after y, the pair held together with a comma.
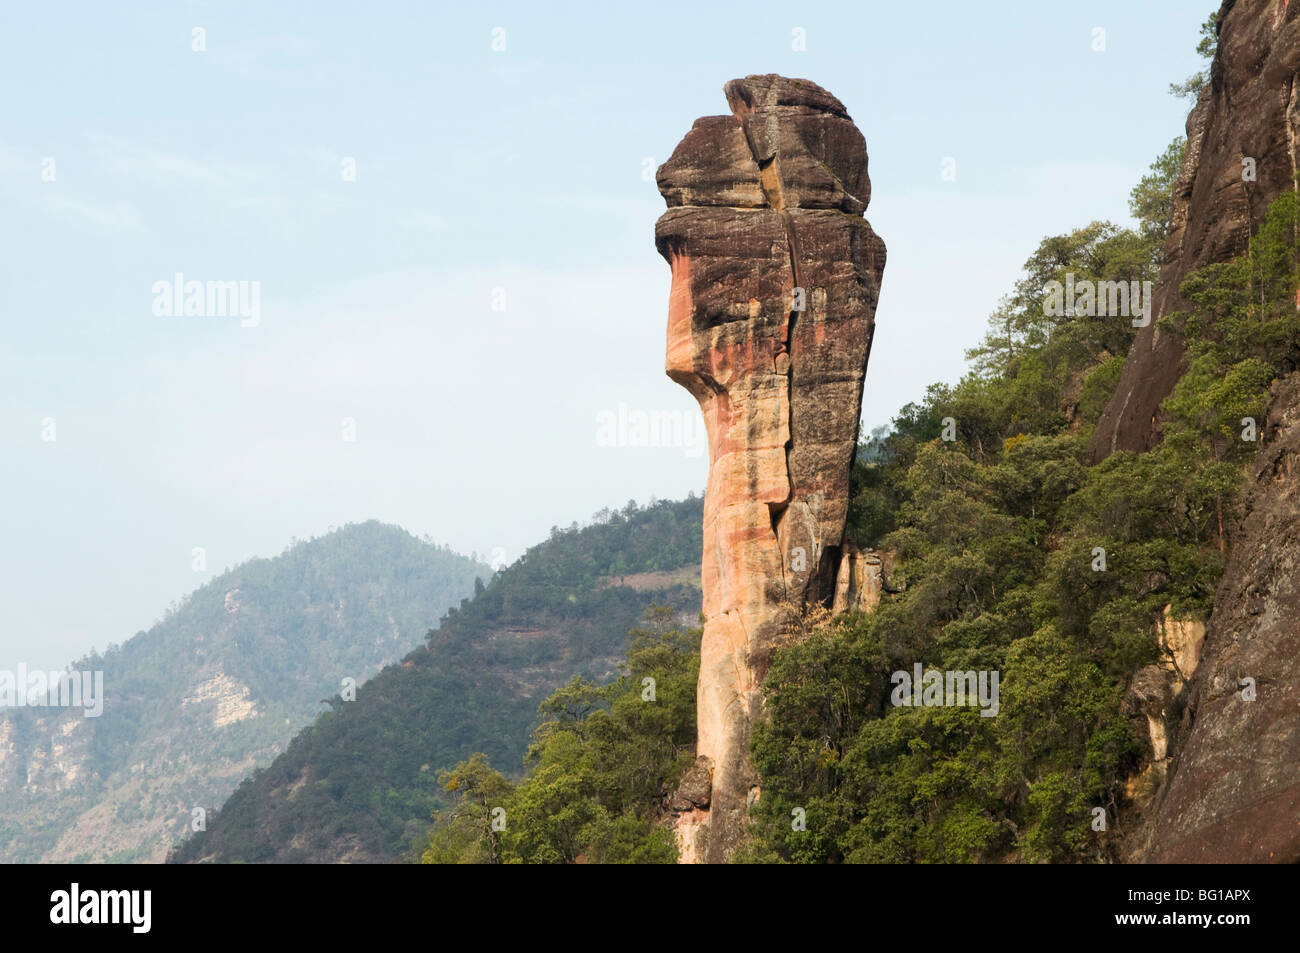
x: 521, y: 178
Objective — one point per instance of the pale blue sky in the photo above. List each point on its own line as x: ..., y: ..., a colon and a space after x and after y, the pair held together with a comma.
x: 519, y: 169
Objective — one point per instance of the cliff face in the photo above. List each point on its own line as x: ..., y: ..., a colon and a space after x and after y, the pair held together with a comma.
x: 1241, y: 153
x: 1232, y: 792
x: 775, y: 278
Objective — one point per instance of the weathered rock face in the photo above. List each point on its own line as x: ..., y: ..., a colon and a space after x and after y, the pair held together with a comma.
x: 1250, y: 110
x: 1232, y: 792
x: 1155, y: 698
x: 775, y: 278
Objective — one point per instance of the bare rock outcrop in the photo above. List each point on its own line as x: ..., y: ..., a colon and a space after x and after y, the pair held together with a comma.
x: 775, y: 279
x: 1232, y: 791
x: 1154, y: 701
x: 1241, y: 154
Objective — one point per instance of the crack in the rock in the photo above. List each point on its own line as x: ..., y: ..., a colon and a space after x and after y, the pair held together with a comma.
x: 769, y: 174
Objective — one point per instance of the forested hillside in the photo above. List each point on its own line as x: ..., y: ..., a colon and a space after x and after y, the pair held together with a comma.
x: 601, y: 768
x: 361, y: 783
x: 215, y: 689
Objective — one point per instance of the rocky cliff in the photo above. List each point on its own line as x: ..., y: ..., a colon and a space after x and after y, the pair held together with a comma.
x: 775, y: 278
x: 1241, y: 153
x: 1232, y: 791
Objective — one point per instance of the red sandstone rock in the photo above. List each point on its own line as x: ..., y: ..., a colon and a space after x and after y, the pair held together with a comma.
x: 1249, y: 110
x: 775, y: 278
x: 1232, y: 792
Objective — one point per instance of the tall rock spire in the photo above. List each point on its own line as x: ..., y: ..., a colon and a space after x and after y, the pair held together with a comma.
x: 775, y: 279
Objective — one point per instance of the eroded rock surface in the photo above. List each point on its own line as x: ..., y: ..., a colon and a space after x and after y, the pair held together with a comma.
x: 1246, y: 121
x: 775, y: 279
x: 1154, y: 701
x: 1231, y: 789
x: 1233, y: 792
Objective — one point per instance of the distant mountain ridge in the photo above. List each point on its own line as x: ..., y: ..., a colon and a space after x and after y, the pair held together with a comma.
x: 359, y: 784
x: 215, y: 689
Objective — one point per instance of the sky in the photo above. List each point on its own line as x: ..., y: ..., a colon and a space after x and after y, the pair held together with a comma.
x: 447, y: 215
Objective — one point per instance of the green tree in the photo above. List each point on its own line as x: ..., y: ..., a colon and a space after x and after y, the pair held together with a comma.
x: 600, y: 769
x: 470, y: 831
x: 1152, y: 200
x: 1208, y: 45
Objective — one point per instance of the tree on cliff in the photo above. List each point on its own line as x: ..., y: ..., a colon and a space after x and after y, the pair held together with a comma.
x: 1023, y: 337
x: 1152, y: 200
x: 1191, y: 87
